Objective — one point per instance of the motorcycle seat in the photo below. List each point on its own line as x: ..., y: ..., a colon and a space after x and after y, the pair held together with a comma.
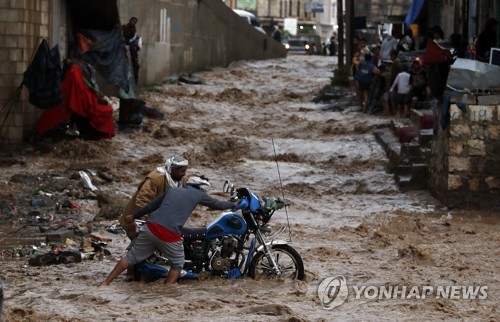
x: 193, y: 233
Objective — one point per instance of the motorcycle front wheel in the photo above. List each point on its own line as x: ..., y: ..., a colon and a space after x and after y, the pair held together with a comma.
x: 287, y: 258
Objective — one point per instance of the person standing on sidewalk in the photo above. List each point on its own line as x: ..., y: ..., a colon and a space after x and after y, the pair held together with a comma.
x: 277, y: 33
x: 403, y: 98
x: 132, y: 40
x: 487, y: 39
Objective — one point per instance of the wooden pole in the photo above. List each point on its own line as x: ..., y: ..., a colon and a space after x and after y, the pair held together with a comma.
x: 349, y: 18
x: 340, y: 33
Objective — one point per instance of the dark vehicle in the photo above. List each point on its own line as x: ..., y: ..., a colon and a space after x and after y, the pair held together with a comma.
x: 305, y: 45
x: 301, y: 47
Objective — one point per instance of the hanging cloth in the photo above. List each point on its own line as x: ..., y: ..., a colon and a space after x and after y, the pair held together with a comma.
x: 43, y: 77
x: 93, y: 117
x: 413, y: 12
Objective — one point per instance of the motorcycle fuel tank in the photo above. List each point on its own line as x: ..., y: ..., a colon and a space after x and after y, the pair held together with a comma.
x: 226, y: 224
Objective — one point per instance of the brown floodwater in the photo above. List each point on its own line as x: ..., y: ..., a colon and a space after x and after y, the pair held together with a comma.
x: 347, y: 215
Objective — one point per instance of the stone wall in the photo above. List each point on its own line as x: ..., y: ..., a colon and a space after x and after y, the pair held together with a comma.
x: 465, y: 166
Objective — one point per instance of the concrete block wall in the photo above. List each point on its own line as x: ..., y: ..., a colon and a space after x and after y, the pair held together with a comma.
x: 179, y: 37
x: 187, y: 36
x: 465, y: 166
x: 23, y: 23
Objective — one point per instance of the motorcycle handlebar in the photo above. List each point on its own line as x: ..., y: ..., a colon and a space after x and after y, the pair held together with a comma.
x: 243, y: 204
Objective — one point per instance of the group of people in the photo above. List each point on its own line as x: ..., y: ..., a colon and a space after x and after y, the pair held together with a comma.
x: 169, y: 197
x: 383, y: 80
x: 480, y: 47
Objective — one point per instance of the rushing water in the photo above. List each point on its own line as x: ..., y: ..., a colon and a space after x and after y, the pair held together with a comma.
x: 347, y: 216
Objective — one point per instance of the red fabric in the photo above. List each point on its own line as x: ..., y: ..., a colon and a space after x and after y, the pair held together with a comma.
x: 163, y: 233
x: 435, y: 54
x: 85, y: 43
x: 79, y: 99
x: 406, y: 134
x: 427, y: 121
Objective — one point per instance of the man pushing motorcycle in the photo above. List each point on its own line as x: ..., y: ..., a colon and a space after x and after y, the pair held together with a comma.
x: 162, y: 231
x: 173, y: 174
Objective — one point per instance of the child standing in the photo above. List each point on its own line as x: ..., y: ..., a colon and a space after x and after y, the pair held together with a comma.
x: 365, y: 73
x: 403, y: 100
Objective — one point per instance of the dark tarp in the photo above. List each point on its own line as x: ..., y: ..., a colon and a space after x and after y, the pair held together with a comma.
x: 43, y: 77
x: 108, y: 55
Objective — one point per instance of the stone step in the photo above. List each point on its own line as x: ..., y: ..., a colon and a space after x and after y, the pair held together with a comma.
x: 408, y: 134
x: 413, y: 170
x: 425, y: 137
x: 423, y: 119
x: 403, y: 180
x: 407, y: 183
x: 390, y: 143
x: 403, y: 170
x: 410, y: 149
x: 417, y: 114
x: 419, y: 171
x: 426, y: 152
x: 413, y: 160
x: 398, y: 124
x: 425, y: 105
x: 404, y: 183
x: 412, y: 177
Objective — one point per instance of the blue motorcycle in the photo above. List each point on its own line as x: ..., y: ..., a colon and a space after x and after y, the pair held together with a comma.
x: 234, y: 245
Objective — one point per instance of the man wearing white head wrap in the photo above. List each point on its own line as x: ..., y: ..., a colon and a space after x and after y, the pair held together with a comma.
x: 173, y: 174
x: 173, y: 164
x: 162, y: 231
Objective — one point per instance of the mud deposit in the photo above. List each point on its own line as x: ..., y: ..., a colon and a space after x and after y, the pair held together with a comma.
x: 347, y: 216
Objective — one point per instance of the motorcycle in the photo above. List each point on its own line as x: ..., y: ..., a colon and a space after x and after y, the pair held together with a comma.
x: 234, y: 245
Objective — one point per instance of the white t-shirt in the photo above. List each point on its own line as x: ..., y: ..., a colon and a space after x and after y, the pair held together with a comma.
x: 388, y: 44
x: 402, y: 81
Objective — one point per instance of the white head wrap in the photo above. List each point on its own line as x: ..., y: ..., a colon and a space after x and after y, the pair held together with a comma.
x: 198, y: 182
x: 171, y: 163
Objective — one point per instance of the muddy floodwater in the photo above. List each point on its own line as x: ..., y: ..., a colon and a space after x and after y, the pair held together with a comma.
x: 254, y: 123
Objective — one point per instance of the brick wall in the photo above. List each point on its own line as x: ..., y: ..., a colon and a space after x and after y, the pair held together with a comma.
x: 465, y: 168
x: 23, y: 23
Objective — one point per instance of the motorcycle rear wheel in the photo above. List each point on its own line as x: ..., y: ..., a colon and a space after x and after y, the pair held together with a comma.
x: 287, y: 258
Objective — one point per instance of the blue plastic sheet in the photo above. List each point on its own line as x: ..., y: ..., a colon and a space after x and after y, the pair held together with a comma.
x: 414, y: 11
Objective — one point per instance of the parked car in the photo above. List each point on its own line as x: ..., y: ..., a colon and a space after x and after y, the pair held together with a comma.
x: 251, y: 19
x: 300, y: 47
x: 304, y: 45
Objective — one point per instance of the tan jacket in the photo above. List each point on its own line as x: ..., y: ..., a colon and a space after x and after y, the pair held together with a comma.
x: 154, y: 185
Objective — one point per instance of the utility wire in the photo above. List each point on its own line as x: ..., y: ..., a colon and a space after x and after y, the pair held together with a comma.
x: 282, y: 193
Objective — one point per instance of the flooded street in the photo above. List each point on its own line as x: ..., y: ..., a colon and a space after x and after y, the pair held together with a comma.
x: 254, y: 123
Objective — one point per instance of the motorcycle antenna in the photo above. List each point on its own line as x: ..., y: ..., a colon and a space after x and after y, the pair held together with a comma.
x: 282, y: 192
